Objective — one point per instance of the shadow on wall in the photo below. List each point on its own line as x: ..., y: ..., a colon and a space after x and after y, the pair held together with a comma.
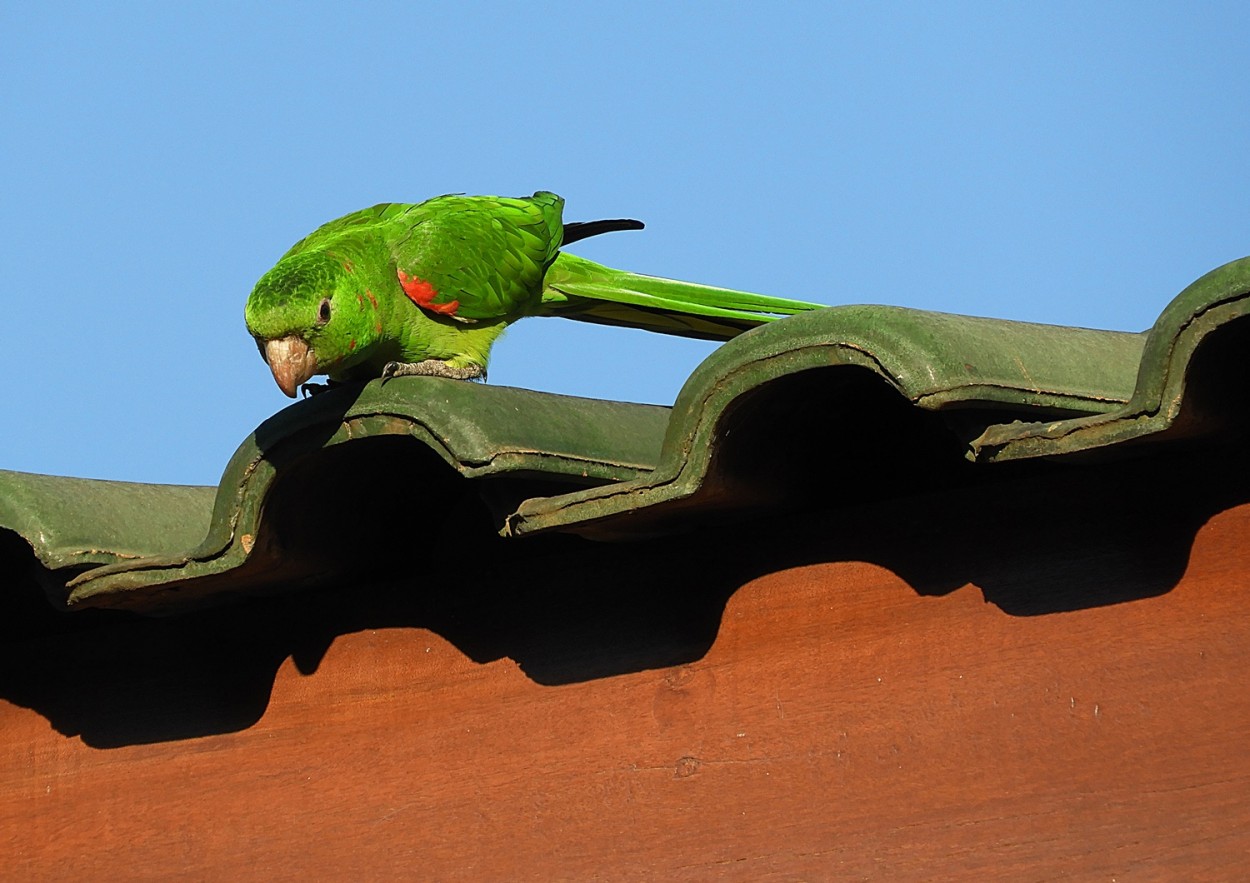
x: 1038, y: 539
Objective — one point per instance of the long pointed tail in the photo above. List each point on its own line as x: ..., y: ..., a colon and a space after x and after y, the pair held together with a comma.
x: 575, y: 231
x: 576, y: 288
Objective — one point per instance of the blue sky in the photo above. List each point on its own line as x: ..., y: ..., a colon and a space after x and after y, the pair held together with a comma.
x: 1067, y: 163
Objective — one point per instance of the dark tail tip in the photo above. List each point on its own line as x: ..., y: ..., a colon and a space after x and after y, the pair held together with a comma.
x: 576, y: 231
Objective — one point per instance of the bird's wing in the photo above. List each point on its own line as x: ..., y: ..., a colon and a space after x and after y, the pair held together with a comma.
x: 476, y: 258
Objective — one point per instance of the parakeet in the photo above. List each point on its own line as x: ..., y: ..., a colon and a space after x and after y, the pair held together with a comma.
x: 427, y: 288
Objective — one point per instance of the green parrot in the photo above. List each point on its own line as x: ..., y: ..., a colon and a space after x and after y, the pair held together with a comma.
x: 426, y: 289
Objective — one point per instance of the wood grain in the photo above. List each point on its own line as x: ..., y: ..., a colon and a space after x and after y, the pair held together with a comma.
x: 838, y: 721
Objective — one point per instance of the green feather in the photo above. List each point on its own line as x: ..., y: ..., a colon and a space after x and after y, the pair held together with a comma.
x: 473, y: 265
x: 580, y: 289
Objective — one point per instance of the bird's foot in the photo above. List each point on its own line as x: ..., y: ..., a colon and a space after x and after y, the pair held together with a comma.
x: 432, y: 368
x: 312, y: 389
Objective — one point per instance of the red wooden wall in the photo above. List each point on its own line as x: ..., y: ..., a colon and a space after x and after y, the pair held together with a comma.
x: 1039, y: 677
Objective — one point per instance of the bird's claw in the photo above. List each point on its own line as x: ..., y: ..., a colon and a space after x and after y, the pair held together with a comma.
x: 313, y: 389
x: 431, y: 368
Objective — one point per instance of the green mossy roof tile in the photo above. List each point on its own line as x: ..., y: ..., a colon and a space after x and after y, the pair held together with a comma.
x: 828, y: 396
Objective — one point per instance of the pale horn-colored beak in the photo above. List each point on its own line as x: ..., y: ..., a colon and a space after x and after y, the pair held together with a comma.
x: 291, y: 362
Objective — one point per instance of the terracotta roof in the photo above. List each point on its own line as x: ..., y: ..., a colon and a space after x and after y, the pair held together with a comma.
x: 815, y: 410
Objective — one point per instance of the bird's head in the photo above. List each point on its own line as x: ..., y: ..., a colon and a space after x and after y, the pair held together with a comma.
x: 311, y: 315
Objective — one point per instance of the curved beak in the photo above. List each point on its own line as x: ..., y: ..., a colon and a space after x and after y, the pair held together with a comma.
x: 291, y: 362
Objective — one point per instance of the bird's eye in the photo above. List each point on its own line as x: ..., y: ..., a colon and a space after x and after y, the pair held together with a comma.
x: 323, y: 312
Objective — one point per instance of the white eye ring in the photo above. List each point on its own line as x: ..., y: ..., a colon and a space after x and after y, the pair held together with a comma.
x: 323, y: 311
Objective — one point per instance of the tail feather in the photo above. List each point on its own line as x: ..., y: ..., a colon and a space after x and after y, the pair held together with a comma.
x: 576, y: 288
x: 579, y: 230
